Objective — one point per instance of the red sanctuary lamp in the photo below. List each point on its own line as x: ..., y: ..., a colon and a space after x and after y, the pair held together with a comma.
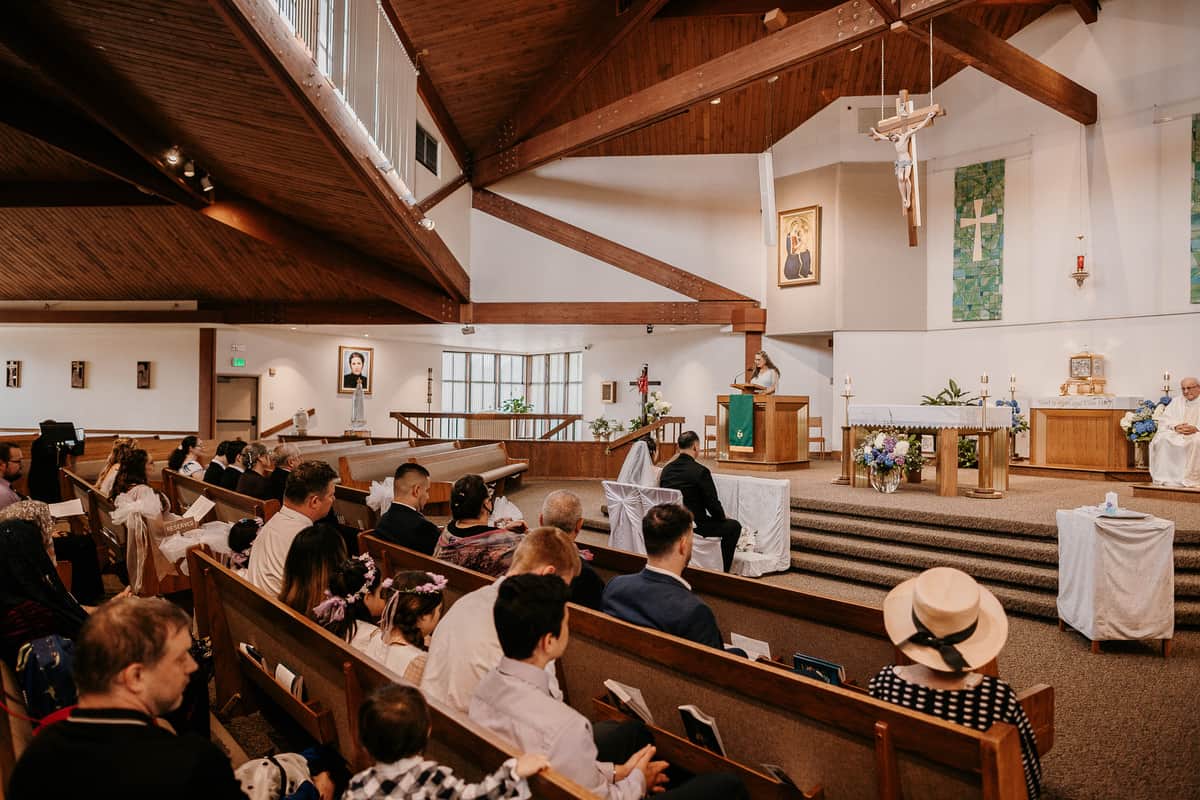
x: 1080, y: 274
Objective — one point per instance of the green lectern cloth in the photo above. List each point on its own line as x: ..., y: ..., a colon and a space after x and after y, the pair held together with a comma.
x: 741, y: 423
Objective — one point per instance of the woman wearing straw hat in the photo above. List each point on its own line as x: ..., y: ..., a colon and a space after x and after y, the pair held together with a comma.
x: 950, y: 626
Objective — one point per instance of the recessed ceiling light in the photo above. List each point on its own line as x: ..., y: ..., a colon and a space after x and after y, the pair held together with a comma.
x: 293, y: 328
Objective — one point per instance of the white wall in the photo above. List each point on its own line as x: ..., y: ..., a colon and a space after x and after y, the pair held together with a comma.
x: 111, y: 399
x: 699, y: 213
x: 306, y: 376
x: 452, y: 215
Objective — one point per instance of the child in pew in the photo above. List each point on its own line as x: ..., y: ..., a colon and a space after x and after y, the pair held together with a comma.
x: 394, y: 726
x: 314, y: 555
x: 949, y: 625
x: 241, y: 538
x: 413, y: 609
x: 351, y: 599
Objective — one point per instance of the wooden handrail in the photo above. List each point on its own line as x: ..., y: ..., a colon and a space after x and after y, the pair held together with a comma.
x: 277, y: 428
x: 403, y: 418
x: 634, y: 435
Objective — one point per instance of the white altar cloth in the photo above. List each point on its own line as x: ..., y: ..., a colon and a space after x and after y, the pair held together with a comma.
x: 905, y: 416
x: 1086, y: 402
x: 1116, y: 577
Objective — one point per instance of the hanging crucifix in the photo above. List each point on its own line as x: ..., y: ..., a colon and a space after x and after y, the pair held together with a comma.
x: 643, y: 384
x: 901, y: 131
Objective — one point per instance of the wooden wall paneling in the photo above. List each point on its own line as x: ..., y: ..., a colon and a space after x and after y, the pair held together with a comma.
x: 70, y: 194
x: 606, y: 250
x: 207, y: 382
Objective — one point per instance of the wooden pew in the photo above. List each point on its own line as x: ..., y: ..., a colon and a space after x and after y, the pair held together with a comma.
x: 75, y: 487
x: 350, y: 506
x: 337, y: 678
x: 840, y: 738
x: 117, y: 539
x: 330, y: 453
x: 359, y: 467
x: 490, y: 461
x: 230, y: 506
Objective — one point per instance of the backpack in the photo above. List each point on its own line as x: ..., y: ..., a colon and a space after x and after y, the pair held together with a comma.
x: 44, y: 673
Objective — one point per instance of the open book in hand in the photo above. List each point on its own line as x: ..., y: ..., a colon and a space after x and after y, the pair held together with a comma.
x: 702, y: 729
x: 629, y: 699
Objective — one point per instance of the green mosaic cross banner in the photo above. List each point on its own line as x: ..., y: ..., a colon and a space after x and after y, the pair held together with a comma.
x: 978, y: 241
x: 1196, y: 208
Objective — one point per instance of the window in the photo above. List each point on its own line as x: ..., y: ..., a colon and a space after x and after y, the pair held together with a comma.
x: 427, y: 150
x: 551, y: 382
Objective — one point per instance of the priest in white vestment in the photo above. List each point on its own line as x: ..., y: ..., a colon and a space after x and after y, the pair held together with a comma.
x: 1175, y: 449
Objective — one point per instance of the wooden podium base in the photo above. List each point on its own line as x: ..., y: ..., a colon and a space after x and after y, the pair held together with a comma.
x: 757, y: 466
x: 780, y: 434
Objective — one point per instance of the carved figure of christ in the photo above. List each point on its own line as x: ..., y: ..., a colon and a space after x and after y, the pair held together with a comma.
x: 979, y: 221
x: 904, y: 143
x: 643, y: 384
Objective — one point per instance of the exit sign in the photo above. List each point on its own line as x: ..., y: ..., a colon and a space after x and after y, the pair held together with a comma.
x: 238, y: 361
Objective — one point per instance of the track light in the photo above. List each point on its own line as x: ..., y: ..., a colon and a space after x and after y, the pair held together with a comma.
x: 427, y: 223
x: 172, y: 156
x: 716, y: 101
x: 649, y: 327
x: 189, y: 169
x: 206, y: 184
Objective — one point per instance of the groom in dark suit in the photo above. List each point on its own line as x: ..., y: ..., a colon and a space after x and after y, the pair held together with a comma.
x: 695, y: 482
x: 658, y: 597
x: 404, y: 524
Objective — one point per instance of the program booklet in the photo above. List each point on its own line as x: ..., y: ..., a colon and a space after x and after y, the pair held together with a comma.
x: 291, y: 681
x: 754, y: 647
x: 629, y: 699
x: 702, y: 729
x: 818, y: 669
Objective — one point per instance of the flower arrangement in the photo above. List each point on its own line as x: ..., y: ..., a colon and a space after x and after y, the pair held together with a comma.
x: 1141, y: 424
x: 656, y: 407
x: 884, y: 451
x: 1020, y: 423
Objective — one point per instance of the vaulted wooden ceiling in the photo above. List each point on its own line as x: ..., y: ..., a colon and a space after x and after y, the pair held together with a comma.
x: 97, y: 90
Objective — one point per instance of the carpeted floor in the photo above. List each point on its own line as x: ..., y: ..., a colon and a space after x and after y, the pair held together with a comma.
x: 1126, y: 722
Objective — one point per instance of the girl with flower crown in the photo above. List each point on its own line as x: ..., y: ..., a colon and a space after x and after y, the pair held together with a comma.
x: 413, y: 607
x: 351, y: 600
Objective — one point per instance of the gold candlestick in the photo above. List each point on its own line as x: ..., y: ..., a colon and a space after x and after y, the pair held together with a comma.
x: 847, y: 449
x: 984, y: 490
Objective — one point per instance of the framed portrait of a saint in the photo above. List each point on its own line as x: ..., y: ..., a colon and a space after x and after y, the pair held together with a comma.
x: 356, y: 365
x: 799, y: 259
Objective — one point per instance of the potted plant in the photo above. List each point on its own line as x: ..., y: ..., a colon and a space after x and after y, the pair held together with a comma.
x: 516, y: 405
x: 600, y: 428
x: 954, y: 395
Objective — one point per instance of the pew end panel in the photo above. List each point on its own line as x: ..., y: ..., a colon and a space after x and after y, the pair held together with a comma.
x: 1038, y: 702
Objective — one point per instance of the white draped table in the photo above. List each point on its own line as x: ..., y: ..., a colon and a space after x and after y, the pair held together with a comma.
x: 990, y: 423
x: 1116, y: 577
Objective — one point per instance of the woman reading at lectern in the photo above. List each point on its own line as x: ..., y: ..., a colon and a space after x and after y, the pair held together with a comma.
x: 765, y: 373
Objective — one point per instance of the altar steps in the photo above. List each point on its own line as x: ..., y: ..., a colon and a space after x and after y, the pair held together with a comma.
x: 1016, y: 561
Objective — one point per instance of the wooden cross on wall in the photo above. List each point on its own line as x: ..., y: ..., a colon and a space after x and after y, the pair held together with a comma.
x: 901, y: 131
x: 643, y: 384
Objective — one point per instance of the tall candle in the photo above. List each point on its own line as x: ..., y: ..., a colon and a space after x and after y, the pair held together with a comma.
x: 1012, y: 381
x: 984, y: 378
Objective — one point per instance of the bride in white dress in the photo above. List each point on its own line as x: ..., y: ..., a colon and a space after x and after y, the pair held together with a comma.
x: 639, y: 469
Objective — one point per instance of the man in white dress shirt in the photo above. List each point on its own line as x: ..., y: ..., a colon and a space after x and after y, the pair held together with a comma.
x: 307, y: 497
x: 465, y: 646
x: 1175, y: 449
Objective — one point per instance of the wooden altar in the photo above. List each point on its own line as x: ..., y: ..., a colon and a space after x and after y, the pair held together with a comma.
x: 1081, y: 437
x: 780, y: 434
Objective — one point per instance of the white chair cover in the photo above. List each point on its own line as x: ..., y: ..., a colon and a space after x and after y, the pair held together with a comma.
x: 762, y: 505
x: 638, y: 469
x: 628, y: 506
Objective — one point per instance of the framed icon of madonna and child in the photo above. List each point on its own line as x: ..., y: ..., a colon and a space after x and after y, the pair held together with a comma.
x: 800, y: 246
x: 356, y: 365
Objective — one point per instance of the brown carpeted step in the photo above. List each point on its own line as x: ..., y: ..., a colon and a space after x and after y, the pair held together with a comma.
x: 1018, y: 547
x: 960, y: 521
x: 1008, y: 571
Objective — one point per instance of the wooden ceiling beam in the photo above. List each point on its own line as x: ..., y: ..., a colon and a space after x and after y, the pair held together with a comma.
x: 790, y: 47
x: 888, y: 9
x: 991, y: 55
x: 37, y: 316
x: 441, y: 194
x: 61, y: 194
x: 606, y: 250
x: 284, y: 58
x: 429, y: 93
x: 709, y: 312
x: 43, y: 42
x: 317, y: 314
x: 69, y: 131
x: 598, y: 38
x: 744, y: 8
x: 324, y: 252
x: 1089, y: 10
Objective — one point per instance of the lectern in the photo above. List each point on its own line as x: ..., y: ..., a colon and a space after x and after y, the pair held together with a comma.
x: 780, y: 434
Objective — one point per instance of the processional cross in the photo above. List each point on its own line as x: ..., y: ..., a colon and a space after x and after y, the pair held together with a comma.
x: 901, y: 131
x: 643, y: 384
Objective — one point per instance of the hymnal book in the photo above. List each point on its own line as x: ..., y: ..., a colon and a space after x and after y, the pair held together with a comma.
x: 818, y: 669
x: 291, y: 681
x: 701, y: 729
x: 253, y: 653
x: 67, y: 508
x: 629, y: 699
x: 753, y: 647
x: 776, y: 772
x: 199, y: 507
